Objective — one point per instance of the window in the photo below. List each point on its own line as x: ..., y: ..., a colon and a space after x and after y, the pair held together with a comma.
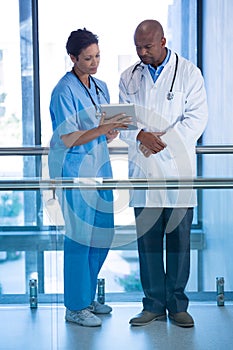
x: 28, y: 73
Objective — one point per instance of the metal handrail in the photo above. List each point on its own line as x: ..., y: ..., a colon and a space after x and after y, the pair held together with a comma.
x: 38, y: 150
x: 110, y: 184
x: 49, y: 184
x: 213, y: 149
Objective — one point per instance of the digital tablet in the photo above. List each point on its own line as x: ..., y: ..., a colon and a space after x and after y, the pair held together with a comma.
x: 127, y: 108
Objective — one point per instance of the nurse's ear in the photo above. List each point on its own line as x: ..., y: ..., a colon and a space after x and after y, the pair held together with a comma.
x: 73, y: 58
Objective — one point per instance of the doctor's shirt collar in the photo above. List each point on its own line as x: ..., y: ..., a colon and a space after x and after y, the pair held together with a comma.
x: 155, y: 72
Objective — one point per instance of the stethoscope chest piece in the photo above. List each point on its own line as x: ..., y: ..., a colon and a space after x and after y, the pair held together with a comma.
x: 170, y: 96
x: 98, y: 113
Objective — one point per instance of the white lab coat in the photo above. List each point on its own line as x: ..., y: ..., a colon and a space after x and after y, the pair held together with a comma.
x: 183, y: 118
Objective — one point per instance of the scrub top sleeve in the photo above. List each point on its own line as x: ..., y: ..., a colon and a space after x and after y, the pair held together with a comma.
x: 62, y: 109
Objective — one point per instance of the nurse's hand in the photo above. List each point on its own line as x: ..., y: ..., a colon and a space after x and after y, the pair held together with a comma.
x: 151, y: 140
x: 111, y: 135
x: 121, y: 118
x: 118, y: 121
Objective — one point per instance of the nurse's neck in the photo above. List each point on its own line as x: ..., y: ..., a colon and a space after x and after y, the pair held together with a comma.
x: 83, y: 78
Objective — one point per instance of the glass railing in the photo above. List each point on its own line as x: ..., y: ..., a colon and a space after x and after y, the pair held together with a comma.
x: 36, y: 250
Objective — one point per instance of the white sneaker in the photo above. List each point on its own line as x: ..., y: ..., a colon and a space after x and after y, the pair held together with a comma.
x: 83, y: 317
x: 98, y: 308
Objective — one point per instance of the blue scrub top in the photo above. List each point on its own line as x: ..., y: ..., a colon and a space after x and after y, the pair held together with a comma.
x: 71, y: 109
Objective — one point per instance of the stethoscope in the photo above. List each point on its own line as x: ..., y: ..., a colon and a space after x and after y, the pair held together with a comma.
x: 98, y: 111
x: 139, y: 67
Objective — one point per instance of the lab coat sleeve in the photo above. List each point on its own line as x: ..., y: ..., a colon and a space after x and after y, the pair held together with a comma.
x: 185, y: 132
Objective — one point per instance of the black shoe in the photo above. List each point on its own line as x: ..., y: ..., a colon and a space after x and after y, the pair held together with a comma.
x: 182, y: 319
x: 146, y: 317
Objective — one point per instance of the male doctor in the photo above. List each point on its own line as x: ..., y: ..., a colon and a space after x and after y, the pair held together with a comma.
x: 172, y: 113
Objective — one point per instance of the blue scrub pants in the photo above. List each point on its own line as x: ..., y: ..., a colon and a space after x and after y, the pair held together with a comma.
x: 81, y: 268
x: 164, y: 287
x: 82, y: 262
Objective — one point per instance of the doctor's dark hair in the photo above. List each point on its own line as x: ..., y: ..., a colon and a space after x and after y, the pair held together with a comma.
x: 78, y: 40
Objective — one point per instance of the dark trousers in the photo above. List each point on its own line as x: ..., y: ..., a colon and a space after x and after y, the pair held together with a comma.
x: 164, y: 280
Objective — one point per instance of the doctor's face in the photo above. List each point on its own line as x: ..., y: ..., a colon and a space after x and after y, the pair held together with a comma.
x: 88, y: 60
x: 150, y: 47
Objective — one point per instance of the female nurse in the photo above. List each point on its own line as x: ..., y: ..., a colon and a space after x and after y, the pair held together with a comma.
x: 78, y: 149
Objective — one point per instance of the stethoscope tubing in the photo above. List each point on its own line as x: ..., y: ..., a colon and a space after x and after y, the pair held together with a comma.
x: 170, y: 94
x: 97, y: 89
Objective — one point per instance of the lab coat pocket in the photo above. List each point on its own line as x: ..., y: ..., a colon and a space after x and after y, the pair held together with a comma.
x: 173, y: 108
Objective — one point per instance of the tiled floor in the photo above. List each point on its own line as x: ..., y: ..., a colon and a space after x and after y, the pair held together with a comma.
x: 45, y: 329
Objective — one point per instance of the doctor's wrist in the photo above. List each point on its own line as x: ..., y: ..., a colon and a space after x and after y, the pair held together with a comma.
x: 140, y: 136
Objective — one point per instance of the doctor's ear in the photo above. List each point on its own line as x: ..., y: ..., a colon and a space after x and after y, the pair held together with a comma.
x: 163, y: 41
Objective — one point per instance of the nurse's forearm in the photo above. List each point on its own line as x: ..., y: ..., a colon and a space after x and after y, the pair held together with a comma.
x: 78, y: 138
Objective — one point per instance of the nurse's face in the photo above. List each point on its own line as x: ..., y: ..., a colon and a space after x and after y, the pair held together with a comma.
x: 88, y: 60
x: 150, y: 47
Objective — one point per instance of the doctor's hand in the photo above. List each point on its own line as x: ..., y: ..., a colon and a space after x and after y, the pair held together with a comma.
x: 152, y: 141
x: 145, y: 151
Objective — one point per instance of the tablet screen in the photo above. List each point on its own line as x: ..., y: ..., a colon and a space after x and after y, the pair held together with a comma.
x: 127, y: 108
